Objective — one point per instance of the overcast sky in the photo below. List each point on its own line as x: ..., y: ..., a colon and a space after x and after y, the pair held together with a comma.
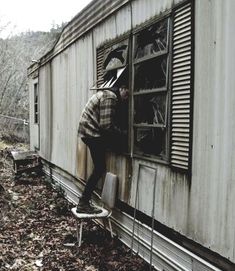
x: 24, y: 15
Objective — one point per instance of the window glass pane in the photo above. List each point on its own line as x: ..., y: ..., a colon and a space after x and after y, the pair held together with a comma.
x: 150, y: 109
x: 117, y: 78
x: 116, y: 56
x: 150, y: 74
x: 111, y: 77
x: 150, y: 141
x: 151, y: 40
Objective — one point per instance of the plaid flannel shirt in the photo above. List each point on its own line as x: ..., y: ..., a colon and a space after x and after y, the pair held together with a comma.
x: 98, y: 114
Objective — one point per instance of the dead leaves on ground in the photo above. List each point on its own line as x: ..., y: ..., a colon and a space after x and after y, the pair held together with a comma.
x: 35, y: 222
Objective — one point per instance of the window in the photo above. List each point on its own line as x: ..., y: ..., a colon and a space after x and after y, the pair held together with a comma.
x: 115, y: 65
x: 151, y: 90
x: 36, y: 104
x: 162, y: 86
x: 113, y: 71
x: 162, y: 67
x: 112, y: 68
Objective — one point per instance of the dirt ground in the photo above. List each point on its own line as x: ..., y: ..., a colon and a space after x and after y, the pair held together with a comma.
x: 36, y: 223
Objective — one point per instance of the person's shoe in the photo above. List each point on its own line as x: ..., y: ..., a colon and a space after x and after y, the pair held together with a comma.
x: 85, y: 207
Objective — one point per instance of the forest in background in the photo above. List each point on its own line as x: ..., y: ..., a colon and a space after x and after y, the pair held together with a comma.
x: 16, y: 55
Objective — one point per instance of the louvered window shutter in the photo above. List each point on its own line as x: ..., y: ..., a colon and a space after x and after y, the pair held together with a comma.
x: 182, y: 87
x: 99, y: 67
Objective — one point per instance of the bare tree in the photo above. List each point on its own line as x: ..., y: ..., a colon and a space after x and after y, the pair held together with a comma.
x: 16, y: 53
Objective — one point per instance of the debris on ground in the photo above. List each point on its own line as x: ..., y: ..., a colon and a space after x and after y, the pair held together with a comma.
x: 37, y: 230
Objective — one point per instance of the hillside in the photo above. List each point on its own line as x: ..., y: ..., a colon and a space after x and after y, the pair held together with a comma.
x: 16, y: 54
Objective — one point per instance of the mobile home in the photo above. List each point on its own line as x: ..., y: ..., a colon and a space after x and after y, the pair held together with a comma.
x: 176, y: 193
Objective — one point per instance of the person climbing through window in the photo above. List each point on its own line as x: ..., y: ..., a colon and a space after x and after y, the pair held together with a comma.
x: 96, y: 129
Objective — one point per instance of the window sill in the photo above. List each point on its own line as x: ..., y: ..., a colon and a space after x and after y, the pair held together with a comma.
x: 151, y: 159
x: 142, y: 157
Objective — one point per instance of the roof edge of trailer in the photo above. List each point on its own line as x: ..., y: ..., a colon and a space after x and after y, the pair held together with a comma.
x: 86, y: 19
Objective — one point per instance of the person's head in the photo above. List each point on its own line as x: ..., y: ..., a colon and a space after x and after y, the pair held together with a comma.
x: 124, y: 92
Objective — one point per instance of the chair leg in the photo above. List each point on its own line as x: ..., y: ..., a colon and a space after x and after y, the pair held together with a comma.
x: 104, y: 223
x: 79, y: 234
x: 110, y: 227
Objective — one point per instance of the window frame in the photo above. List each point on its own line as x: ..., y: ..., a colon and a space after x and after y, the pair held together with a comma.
x: 36, y: 102
x: 101, y: 53
x: 164, y: 159
x: 186, y: 8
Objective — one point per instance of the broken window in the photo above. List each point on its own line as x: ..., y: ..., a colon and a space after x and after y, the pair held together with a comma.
x: 111, y: 77
x: 116, y: 56
x: 36, y: 105
x: 150, y: 109
x: 112, y: 68
x: 152, y: 40
x: 112, y: 72
x: 115, y: 65
x: 150, y: 93
x: 151, y: 74
x: 149, y: 141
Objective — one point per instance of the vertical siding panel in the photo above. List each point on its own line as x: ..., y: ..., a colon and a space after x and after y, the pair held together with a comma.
x: 72, y: 78
x: 171, y: 195
x: 85, y: 79
x: 144, y: 10
x: 213, y: 148
x: 45, y: 111
x: 123, y: 20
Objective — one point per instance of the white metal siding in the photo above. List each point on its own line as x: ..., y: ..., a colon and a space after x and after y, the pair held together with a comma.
x: 144, y: 10
x: 203, y: 212
x: 212, y: 215
x: 171, y: 194
x: 72, y: 76
x: 45, y: 111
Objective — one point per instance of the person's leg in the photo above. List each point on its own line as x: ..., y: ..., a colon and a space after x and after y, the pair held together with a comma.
x: 97, y: 151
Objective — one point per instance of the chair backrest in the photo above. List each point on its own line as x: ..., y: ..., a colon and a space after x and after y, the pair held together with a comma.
x: 109, y: 191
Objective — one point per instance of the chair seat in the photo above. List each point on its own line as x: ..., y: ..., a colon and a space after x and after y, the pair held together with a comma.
x: 103, y: 214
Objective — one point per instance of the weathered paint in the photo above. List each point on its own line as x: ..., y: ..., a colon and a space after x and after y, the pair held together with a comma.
x: 171, y: 194
x: 212, y: 201
x: 200, y: 208
x: 163, y: 253
x: 45, y: 111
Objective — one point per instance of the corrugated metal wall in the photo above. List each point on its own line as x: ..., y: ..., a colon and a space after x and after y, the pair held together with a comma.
x: 45, y: 111
x: 204, y: 210
x: 212, y: 215
x: 72, y: 76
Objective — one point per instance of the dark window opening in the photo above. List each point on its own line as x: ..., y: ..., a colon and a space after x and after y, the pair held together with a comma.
x: 150, y: 109
x: 152, y: 40
x: 150, y: 95
x: 150, y: 141
x: 151, y: 74
x: 36, y: 104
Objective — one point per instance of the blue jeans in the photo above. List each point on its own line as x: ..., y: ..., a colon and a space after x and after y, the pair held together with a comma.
x: 97, y: 149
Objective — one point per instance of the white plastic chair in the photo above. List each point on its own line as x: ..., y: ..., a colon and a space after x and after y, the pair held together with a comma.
x: 108, y: 198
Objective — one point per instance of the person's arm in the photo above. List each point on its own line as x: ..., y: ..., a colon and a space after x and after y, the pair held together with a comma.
x: 107, y: 113
x: 114, y: 135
